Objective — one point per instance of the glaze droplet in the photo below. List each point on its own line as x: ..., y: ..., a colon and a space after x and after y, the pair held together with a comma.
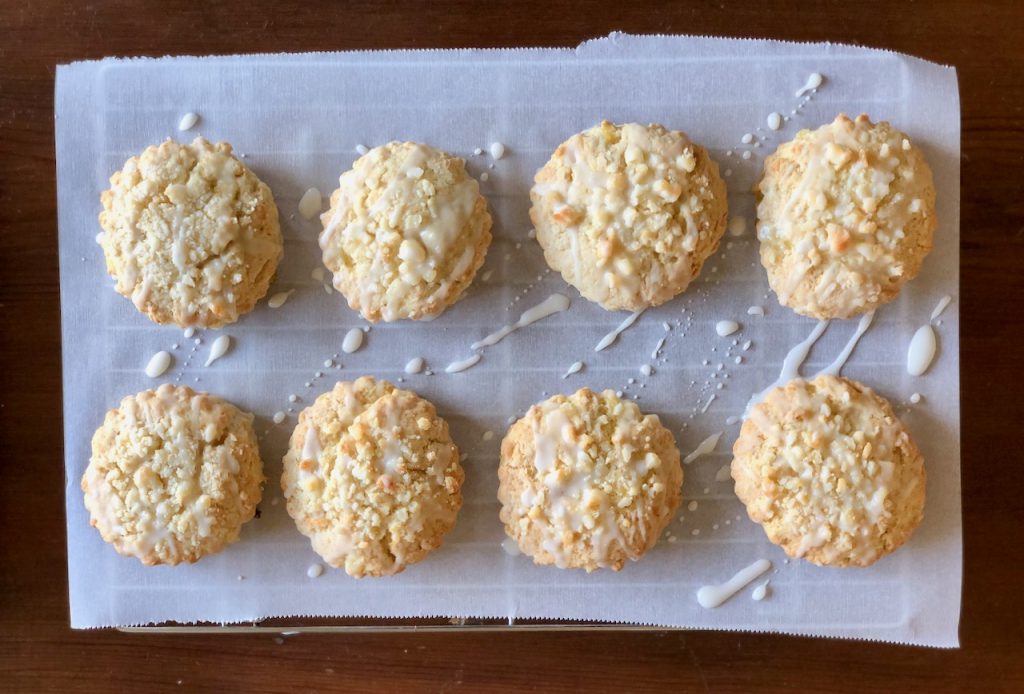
x: 158, y: 364
x: 726, y: 327
x: 414, y: 366
x: 188, y: 121
x: 218, y: 349
x: 921, y: 351
x: 310, y: 204
x: 353, y: 341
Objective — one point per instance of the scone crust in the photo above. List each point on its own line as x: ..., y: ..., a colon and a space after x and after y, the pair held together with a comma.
x: 845, y: 216
x: 190, y: 234
x: 406, y: 232
x: 629, y: 213
x: 372, y: 477
x: 587, y: 481
x: 829, y: 472
x: 173, y: 475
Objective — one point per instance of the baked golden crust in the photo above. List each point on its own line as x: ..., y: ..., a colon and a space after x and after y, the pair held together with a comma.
x: 829, y: 472
x: 190, y: 234
x: 628, y: 213
x: 846, y: 216
x: 587, y: 481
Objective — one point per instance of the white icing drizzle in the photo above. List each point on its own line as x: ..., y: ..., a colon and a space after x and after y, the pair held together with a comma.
x: 706, y: 446
x: 573, y: 368
x: 921, y: 351
x: 310, y: 204
x: 188, y: 121
x: 353, y: 341
x: 218, y: 349
x: 556, y: 303
x: 461, y: 365
x: 941, y: 306
x: 278, y: 300
x: 414, y: 365
x: 726, y: 327
x: 708, y: 403
x: 311, y: 445
x: 714, y: 595
x: 760, y: 592
x: 611, y: 337
x: 836, y: 366
x: 813, y: 82
x: 790, y: 365
x: 158, y: 364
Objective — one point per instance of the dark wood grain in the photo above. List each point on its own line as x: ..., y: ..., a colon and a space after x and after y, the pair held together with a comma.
x: 39, y: 653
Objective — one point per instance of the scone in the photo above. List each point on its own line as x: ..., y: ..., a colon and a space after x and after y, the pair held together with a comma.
x: 372, y: 477
x: 173, y: 475
x: 190, y: 234
x: 628, y: 213
x: 587, y: 481
x: 406, y: 232
x: 829, y: 472
x: 845, y: 216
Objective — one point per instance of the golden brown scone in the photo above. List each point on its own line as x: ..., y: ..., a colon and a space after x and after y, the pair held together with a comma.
x: 829, y: 472
x: 190, y: 234
x: 588, y: 481
x: 173, y: 475
x: 628, y: 213
x: 846, y: 215
x: 406, y: 232
x: 372, y: 477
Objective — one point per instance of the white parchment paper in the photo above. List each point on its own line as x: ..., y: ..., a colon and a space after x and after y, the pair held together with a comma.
x: 298, y: 118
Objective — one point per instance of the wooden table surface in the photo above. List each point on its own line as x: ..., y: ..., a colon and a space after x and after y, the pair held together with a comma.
x: 39, y: 652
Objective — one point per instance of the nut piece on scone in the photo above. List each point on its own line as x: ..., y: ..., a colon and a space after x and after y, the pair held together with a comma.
x: 846, y: 216
x: 173, y: 475
x: 372, y: 477
x: 588, y: 481
x: 628, y: 213
x: 190, y: 234
x: 829, y: 472
x: 406, y: 232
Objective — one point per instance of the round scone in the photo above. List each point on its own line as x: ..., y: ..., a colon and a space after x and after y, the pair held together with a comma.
x: 190, y: 234
x: 173, y: 475
x: 587, y: 481
x: 829, y: 472
x: 372, y: 477
x: 628, y: 213
x: 406, y: 232
x: 845, y: 216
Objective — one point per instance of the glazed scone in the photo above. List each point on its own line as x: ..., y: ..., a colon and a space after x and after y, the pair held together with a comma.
x: 846, y: 215
x: 628, y: 213
x: 587, y: 481
x: 372, y: 477
x: 829, y: 472
x: 190, y: 234
x: 173, y: 475
x: 406, y: 232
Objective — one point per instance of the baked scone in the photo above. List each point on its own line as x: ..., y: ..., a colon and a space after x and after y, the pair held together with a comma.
x: 406, y: 232
x: 372, y: 477
x: 190, y: 234
x: 587, y: 481
x: 173, y: 475
x: 845, y: 216
x: 628, y: 213
x: 829, y: 472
